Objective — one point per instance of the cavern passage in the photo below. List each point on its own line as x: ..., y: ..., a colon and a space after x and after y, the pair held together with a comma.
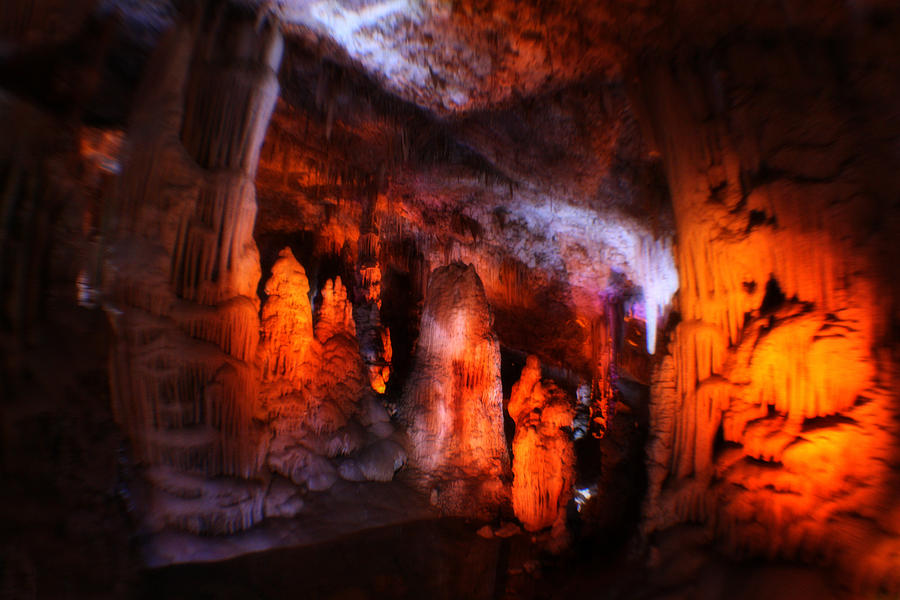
x: 451, y: 299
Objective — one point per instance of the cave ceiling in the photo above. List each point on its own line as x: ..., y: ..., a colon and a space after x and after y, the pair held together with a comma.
x: 512, y: 122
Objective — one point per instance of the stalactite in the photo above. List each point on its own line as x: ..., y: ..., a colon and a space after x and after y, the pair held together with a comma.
x: 655, y: 272
x: 232, y: 325
x: 700, y: 351
x: 214, y: 257
x: 225, y: 131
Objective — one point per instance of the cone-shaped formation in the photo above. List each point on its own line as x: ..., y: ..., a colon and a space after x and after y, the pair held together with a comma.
x: 606, y: 339
x: 335, y: 313
x: 543, y: 456
x: 286, y: 320
x: 453, y: 405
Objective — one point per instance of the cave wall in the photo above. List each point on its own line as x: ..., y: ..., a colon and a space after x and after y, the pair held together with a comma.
x: 182, y: 272
x: 236, y: 408
x: 60, y: 448
x: 773, y: 417
x: 508, y: 190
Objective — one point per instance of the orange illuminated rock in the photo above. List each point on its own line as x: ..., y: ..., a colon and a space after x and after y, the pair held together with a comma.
x: 322, y: 424
x: 335, y: 313
x: 374, y: 337
x: 287, y: 330
x: 766, y: 420
x: 453, y: 405
x: 543, y: 457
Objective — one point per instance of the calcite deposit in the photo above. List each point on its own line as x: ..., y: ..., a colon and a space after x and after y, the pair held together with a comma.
x: 615, y: 273
x: 453, y: 404
x: 543, y: 455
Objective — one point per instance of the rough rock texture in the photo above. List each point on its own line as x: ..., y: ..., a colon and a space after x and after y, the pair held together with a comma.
x: 453, y: 404
x: 181, y: 280
x: 543, y: 456
x: 182, y: 284
x: 574, y: 153
x: 779, y: 363
x: 321, y: 420
x: 375, y: 338
x: 287, y: 324
x: 558, y: 208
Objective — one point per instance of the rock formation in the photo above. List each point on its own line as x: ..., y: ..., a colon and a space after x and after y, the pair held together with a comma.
x: 543, y: 456
x: 181, y: 282
x: 683, y: 210
x: 322, y: 422
x: 287, y: 323
x: 453, y: 404
x: 774, y: 354
x: 375, y: 338
x: 197, y: 392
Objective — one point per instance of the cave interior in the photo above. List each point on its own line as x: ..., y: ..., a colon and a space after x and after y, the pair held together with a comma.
x: 481, y: 299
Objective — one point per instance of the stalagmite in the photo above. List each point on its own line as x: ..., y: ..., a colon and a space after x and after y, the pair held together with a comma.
x: 543, y: 456
x: 453, y: 405
x: 606, y: 341
x: 335, y: 312
x: 286, y: 320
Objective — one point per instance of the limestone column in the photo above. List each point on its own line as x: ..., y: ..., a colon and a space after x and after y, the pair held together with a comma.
x: 182, y: 277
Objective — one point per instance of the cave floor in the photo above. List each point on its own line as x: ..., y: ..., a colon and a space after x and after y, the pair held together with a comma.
x: 446, y: 558
x: 346, y: 508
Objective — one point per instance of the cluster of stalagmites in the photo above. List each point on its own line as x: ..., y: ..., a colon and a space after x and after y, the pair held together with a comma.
x: 236, y: 411
x: 324, y: 421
